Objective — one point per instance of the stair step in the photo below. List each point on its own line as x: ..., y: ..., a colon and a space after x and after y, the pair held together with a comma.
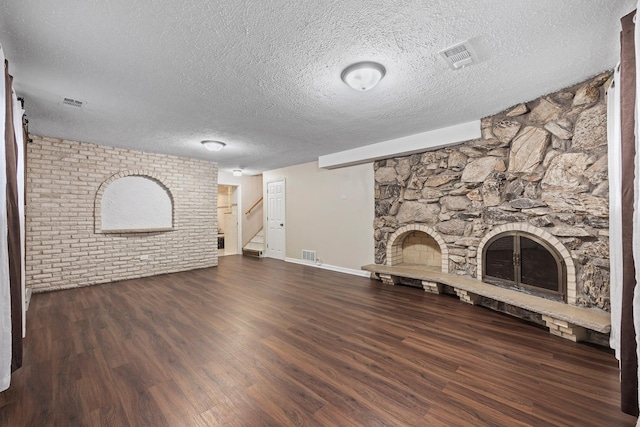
x: 254, y: 246
x: 251, y: 252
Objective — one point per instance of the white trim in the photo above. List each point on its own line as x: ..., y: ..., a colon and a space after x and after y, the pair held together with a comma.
x: 403, y: 146
x: 336, y: 268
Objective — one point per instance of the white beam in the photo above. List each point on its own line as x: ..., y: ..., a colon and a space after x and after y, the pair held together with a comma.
x: 402, y: 146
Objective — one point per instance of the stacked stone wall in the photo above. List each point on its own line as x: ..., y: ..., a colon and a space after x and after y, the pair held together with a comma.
x: 542, y: 162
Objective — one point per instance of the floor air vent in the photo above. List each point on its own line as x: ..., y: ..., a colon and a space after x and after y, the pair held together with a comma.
x: 308, y: 255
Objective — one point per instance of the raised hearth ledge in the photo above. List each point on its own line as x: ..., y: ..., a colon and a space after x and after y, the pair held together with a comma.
x: 564, y: 320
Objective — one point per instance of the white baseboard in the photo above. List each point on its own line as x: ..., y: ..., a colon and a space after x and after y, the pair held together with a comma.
x: 339, y: 269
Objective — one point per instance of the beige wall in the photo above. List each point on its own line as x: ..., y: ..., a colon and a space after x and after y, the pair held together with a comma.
x: 329, y: 211
x: 63, y: 248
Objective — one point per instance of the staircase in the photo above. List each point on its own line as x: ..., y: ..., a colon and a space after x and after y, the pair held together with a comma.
x: 255, y: 247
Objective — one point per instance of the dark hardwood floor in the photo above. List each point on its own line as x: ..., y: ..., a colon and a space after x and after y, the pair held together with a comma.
x: 260, y: 342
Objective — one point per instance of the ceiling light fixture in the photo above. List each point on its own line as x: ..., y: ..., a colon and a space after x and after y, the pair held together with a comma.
x: 213, y: 145
x: 237, y: 172
x: 363, y: 75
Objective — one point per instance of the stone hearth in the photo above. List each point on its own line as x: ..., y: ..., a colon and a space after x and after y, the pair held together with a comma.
x: 564, y: 320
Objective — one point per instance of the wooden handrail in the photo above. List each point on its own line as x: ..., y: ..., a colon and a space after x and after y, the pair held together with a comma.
x: 254, y: 205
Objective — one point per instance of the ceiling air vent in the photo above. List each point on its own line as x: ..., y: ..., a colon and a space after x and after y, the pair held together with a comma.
x: 72, y: 102
x: 459, y: 55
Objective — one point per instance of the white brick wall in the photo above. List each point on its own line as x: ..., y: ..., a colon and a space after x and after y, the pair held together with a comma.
x: 63, y: 249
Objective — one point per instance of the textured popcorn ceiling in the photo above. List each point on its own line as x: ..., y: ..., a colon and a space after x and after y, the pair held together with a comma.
x: 264, y: 76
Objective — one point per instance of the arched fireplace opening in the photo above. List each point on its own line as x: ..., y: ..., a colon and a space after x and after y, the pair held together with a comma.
x: 523, y: 261
x: 418, y: 245
x: 418, y: 248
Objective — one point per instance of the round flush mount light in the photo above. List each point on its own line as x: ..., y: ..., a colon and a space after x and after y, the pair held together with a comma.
x: 237, y: 172
x: 363, y: 75
x: 213, y: 145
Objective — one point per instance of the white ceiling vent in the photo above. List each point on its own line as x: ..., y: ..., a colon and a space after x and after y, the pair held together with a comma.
x: 73, y: 102
x: 459, y: 55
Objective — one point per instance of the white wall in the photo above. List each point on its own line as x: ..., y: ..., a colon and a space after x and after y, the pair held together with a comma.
x: 329, y: 211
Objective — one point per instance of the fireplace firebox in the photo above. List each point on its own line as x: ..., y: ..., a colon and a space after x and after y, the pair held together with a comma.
x: 525, y: 262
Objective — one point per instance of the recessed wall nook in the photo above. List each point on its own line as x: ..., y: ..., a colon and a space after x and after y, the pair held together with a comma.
x: 482, y: 219
x: 133, y: 202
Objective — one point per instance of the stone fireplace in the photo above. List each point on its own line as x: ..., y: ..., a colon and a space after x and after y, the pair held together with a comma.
x: 538, y: 174
x: 537, y: 262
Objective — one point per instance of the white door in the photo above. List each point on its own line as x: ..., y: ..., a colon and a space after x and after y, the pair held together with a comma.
x: 275, y: 220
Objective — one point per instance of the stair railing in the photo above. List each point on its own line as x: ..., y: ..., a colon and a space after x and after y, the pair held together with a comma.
x: 254, y: 206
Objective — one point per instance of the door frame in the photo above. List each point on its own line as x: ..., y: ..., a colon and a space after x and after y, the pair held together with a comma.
x: 284, y: 216
x: 240, y: 218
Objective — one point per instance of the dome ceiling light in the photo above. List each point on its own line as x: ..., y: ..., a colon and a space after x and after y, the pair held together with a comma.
x: 363, y: 75
x: 213, y: 145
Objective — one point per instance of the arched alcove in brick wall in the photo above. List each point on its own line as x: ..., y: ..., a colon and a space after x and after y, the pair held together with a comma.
x: 133, y: 201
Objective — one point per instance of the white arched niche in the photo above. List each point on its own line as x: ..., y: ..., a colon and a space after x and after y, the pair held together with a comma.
x: 136, y: 204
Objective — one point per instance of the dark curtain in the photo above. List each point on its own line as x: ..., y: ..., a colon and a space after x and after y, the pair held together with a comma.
x: 628, y: 353
x: 13, y: 228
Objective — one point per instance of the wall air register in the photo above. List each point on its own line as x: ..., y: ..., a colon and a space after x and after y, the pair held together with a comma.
x: 308, y: 255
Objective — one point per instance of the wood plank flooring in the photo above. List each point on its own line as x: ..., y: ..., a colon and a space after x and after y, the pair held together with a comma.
x: 260, y: 342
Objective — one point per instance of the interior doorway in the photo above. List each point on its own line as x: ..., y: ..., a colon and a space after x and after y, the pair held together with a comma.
x: 228, y: 241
